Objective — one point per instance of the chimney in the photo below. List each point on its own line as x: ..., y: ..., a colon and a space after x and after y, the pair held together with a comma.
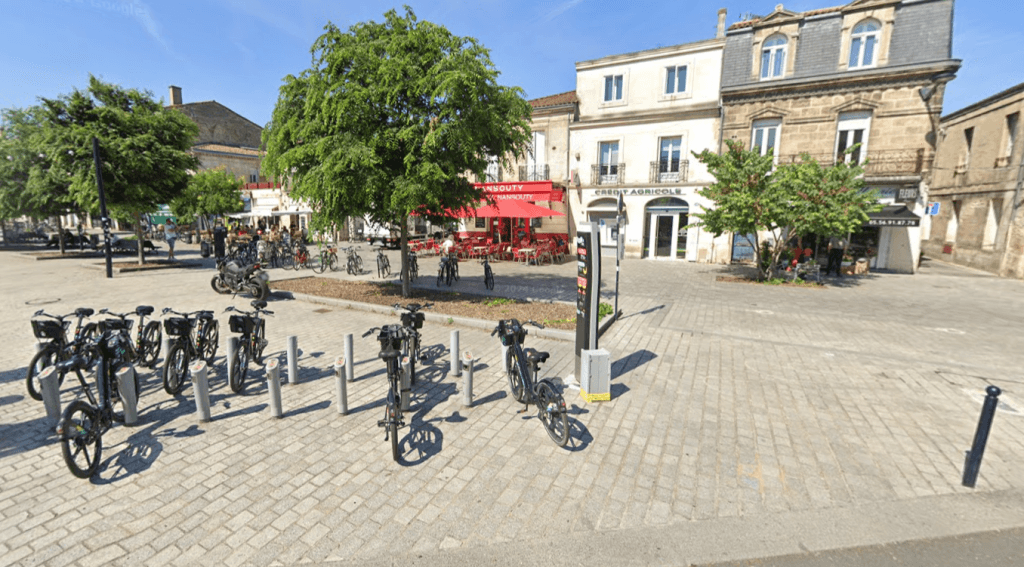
x: 721, y: 22
x: 175, y: 95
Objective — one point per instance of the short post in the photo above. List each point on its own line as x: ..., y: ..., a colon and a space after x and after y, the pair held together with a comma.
x: 406, y: 383
x: 341, y: 368
x: 201, y: 390
x: 232, y: 351
x: 51, y: 393
x: 293, y: 360
x: 456, y: 368
x: 972, y: 462
x: 39, y: 348
x: 129, y: 397
x: 467, y: 380
x: 165, y: 346
x: 274, y: 386
x: 504, y: 359
x: 350, y: 366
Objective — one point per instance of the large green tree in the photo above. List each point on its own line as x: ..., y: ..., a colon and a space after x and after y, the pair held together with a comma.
x: 144, y: 150
x: 209, y: 192
x: 752, y: 196
x: 389, y: 119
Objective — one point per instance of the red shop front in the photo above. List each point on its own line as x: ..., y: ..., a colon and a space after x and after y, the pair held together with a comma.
x: 541, y: 193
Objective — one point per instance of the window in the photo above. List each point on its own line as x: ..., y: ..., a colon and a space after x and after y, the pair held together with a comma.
x: 612, y: 88
x: 609, y: 161
x: 535, y: 158
x: 493, y: 170
x: 675, y: 79
x: 953, y: 224
x: 968, y: 142
x: 853, y: 130
x: 668, y: 162
x: 765, y: 136
x: 863, y: 42
x: 995, y: 209
x: 1011, y: 134
x: 253, y: 178
x: 773, y: 57
x: 480, y: 223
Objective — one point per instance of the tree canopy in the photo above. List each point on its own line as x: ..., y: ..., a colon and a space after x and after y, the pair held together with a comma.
x: 209, y: 192
x: 388, y: 120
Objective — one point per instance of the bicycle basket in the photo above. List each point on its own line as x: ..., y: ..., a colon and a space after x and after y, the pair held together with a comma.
x: 513, y: 335
x: 414, y: 320
x: 46, y: 329
x: 240, y: 324
x: 177, y: 326
x: 390, y: 339
x: 115, y: 325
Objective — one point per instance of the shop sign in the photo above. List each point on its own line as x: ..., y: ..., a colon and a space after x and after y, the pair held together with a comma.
x: 638, y: 192
x: 933, y: 209
x: 906, y: 194
x: 522, y: 191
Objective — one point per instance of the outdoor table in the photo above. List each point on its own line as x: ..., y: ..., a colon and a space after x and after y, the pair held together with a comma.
x: 525, y: 253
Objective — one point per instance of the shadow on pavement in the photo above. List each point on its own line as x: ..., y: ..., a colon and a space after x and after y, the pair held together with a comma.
x: 631, y: 362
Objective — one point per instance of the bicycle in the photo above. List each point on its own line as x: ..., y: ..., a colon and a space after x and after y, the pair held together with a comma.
x: 488, y: 274
x: 353, y: 263
x: 412, y: 322
x: 326, y: 258
x: 414, y: 268
x: 383, y: 264
x: 390, y: 338
x: 300, y: 256
x: 195, y: 336
x: 252, y: 327
x: 148, y: 336
x: 83, y: 424
x: 448, y: 270
x: 522, y: 366
x: 56, y: 347
x: 285, y: 255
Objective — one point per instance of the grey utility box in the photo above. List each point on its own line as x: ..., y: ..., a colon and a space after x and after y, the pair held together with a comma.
x: 595, y: 375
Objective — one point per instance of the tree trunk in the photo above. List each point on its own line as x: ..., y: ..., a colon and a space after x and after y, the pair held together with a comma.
x: 138, y: 235
x: 3, y: 228
x: 60, y: 233
x: 404, y: 247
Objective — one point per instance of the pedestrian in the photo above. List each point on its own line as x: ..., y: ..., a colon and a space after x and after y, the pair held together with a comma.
x: 220, y: 237
x: 171, y: 236
x: 447, y: 245
x: 836, y: 247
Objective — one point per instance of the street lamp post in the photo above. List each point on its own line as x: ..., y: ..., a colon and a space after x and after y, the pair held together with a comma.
x: 104, y: 219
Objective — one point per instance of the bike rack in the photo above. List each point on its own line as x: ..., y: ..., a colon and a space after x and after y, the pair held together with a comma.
x: 341, y: 365
x: 274, y: 386
x: 456, y: 368
x: 293, y: 360
x: 467, y: 385
x: 201, y: 390
x: 129, y: 397
x: 51, y: 393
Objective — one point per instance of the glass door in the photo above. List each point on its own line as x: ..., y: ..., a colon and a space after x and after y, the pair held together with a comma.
x: 663, y: 235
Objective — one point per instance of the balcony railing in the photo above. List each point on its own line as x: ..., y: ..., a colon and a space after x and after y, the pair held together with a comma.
x: 670, y: 171
x: 607, y: 173
x: 886, y: 162
x: 493, y: 176
x: 534, y: 172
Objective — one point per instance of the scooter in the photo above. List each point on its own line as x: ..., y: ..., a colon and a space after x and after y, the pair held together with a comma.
x: 233, y: 278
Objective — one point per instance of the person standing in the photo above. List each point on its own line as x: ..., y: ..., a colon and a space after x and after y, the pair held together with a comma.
x: 836, y: 247
x: 171, y: 236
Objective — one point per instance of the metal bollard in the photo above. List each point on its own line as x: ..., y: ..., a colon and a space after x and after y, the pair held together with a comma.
x: 504, y: 359
x: 456, y: 368
x: 406, y: 383
x: 350, y: 366
x: 340, y: 383
x: 972, y: 462
x: 201, y: 390
x: 50, y: 390
x: 467, y: 381
x: 293, y: 360
x: 274, y: 386
x: 129, y: 397
x: 165, y: 346
x: 232, y: 351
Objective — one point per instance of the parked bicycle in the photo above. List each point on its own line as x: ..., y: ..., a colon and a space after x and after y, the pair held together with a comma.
x: 195, y: 336
x: 522, y: 366
x: 412, y: 322
x: 383, y: 264
x: 353, y: 263
x: 391, y: 338
x: 300, y: 256
x: 327, y: 257
x: 53, y: 334
x: 488, y: 274
x: 414, y: 268
x: 252, y: 327
x: 83, y: 424
x: 448, y: 270
x: 147, y: 338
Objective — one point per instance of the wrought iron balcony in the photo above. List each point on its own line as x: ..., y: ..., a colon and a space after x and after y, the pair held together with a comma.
x: 878, y: 163
x: 670, y: 171
x: 534, y: 172
x: 492, y: 176
x: 607, y: 173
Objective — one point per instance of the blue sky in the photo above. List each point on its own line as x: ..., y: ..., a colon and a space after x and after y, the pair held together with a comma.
x: 237, y: 51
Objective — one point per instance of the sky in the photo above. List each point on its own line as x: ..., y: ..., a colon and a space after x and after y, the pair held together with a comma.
x: 237, y: 52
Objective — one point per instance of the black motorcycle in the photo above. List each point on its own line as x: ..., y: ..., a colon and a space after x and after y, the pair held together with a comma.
x: 234, y: 278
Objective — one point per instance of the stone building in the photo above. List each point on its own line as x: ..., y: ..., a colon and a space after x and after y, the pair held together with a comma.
x: 640, y: 116
x: 871, y: 72
x: 976, y: 187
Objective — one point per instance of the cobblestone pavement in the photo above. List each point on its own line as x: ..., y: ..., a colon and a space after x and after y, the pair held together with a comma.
x: 745, y: 421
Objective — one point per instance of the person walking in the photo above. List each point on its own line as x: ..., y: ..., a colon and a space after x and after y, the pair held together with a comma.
x: 836, y: 247
x: 171, y: 236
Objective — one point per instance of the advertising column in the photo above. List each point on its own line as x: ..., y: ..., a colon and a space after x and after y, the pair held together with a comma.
x: 588, y: 287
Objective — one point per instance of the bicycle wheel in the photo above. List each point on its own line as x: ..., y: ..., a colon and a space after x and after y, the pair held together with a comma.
x: 440, y: 276
x: 488, y: 278
x: 551, y: 411
x: 387, y: 267
x: 80, y: 439
x: 321, y: 263
x: 350, y: 266
x: 296, y: 261
x: 392, y: 419
x: 175, y: 369
x: 150, y: 344
x: 259, y: 343
x: 455, y: 271
x: 515, y: 379
x: 285, y: 260
x: 239, y: 368
x: 359, y: 265
x: 42, y: 359
x: 210, y: 340
x: 448, y: 275
x: 414, y: 270
x: 334, y: 262
x: 380, y: 266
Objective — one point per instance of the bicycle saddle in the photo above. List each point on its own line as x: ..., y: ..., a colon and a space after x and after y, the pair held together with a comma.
x: 205, y: 315
x: 389, y: 353
x: 259, y: 304
x: 536, y: 357
x: 84, y: 312
x: 144, y: 310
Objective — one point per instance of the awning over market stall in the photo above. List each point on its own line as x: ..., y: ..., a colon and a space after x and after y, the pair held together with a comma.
x: 893, y: 215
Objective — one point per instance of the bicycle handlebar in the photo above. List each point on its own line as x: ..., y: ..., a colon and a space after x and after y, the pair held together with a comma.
x: 370, y: 332
x: 413, y: 307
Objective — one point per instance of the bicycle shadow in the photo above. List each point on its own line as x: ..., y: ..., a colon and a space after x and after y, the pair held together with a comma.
x: 424, y: 439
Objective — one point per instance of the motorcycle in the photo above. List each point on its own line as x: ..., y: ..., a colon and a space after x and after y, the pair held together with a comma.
x: 233, y: 278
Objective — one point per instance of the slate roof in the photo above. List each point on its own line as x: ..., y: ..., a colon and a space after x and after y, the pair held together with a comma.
x: 807, y: 14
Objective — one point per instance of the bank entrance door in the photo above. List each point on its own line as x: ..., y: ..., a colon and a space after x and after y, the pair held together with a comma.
x: 667, y: 219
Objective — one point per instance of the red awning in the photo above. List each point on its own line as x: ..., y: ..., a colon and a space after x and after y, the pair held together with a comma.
x: 528, y: 191
x: 516, y: 210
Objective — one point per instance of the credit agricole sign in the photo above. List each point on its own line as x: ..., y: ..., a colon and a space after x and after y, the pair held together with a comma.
x: 648, y: 191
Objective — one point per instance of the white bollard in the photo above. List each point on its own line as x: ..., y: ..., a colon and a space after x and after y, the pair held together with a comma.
x: 504, y: 359
x: 467, y: 381
x: 405, y: 386
x: 165, y: 346
x: 340, y: 387
x: 201, y: 390
x: 274, y: 386
x: 293, y: 360
x: 129, y: 397
x: 50, y: 390
x: 456, y: 367
x: 232, y: 351
x: 350, y: 365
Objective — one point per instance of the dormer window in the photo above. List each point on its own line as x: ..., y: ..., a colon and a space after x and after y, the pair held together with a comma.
x: 863, y: 42
x: 773, y: 57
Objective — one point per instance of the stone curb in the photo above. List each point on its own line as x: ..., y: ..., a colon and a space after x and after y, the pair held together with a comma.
x: 554, y: 334
x: 103, y: 266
